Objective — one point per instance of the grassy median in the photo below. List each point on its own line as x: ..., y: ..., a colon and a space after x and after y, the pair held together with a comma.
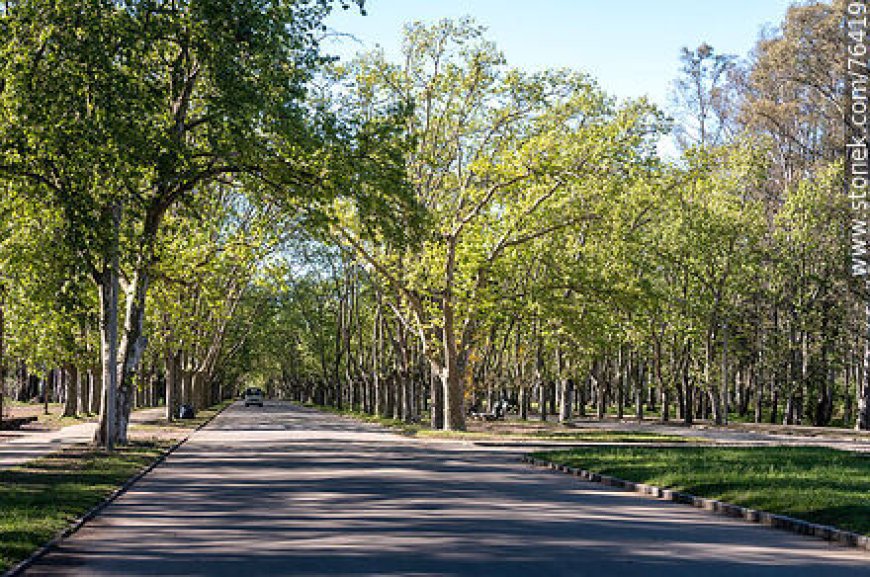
x: 819, y: 485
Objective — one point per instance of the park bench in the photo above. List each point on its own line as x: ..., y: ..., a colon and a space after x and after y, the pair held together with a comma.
x: 15, y: 423
x: 496, y: 414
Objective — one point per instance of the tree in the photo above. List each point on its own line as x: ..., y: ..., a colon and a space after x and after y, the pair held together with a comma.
x: 702, y: 97
x: 114, y: 149
x: 501, y: 158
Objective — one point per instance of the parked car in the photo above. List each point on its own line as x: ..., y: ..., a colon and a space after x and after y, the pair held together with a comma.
x: 253, y: 396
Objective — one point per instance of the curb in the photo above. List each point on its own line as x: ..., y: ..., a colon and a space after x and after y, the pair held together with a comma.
x: 570, y: 444
x: 825, y: 532
x: 97, y: 509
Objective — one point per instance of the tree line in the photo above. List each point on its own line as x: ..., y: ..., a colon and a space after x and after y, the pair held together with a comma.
x: 567, y: 266
x: 421, y: 237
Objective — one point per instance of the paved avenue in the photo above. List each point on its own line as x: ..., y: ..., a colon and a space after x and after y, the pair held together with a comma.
x: 288, y: 491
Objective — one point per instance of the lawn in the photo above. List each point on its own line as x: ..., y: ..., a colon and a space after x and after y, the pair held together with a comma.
x: 815, y: 484
x: 566, y: 435
x: 41, y: 498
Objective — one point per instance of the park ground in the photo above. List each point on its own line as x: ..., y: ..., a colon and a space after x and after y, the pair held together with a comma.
x: 286, y: 490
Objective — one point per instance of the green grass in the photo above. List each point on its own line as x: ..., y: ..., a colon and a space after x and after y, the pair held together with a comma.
x: 815, y: 484
x: 41, y: 498
x: 619, y: 436
x: 567, y: 435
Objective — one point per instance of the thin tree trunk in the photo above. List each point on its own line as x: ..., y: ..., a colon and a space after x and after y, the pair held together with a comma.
x: 71, y: 377
x: 862, y: 422
x: 566, y: 401
x: 2, y: 349
x: 436, y: 392
x: 109, y: 287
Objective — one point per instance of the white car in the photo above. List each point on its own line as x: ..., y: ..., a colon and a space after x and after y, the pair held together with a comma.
x: 253, y: 396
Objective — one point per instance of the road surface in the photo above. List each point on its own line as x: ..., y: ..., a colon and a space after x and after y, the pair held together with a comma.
x: 288, y: 491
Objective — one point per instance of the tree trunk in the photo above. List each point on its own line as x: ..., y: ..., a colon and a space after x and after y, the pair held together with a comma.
x: 566, y: 400
x: 85, y: 387
x: 130, y: 352
x: 600, y: 394
x: 862, y: 421
x: 172, y: 360
x: 71, y: 376
x: 2, y: 349
x: 757, y: 386
x: 451, y: 379
x: 621, y: 374
x: 109, y: 287
x: 523, y: 401
x: 436, y: 392
x: 723, y: 384
x: 453, y: 371
x: 689, y: 400
x: 581, y: 399
x: 666, y: 405
x: 96, y: 392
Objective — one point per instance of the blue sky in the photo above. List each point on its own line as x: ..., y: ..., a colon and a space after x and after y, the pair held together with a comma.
x: 630, y: 46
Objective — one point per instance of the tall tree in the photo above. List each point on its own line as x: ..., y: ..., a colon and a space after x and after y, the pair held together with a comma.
x: 501, y: 158
x: 87, y: 131
x: 703, y: 98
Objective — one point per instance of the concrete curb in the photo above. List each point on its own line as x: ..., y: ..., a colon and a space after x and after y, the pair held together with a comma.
x: 96, y: 510
x: 831, y: 534
x: 569, y: 444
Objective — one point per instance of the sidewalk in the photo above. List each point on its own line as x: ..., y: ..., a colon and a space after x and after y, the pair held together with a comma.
x: 27, y: 446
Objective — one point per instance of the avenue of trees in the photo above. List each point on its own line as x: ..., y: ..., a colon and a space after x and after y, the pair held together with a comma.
x: 193, y: 199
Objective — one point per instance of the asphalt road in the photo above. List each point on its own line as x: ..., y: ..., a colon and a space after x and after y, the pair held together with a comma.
x: 288, y: 491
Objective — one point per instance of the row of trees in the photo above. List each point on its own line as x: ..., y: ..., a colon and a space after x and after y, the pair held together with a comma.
x: 425, y: 236
x: 563, y: 260
x: 157, y: 151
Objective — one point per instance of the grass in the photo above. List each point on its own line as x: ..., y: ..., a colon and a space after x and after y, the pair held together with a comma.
x: 567, y: 435
x: 501, y: 431
x: 820, y: 485
x: 58, y: 421
x: 41, y: 498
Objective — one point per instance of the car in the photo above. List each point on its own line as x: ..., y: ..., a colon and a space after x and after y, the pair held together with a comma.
x: 253, y: 396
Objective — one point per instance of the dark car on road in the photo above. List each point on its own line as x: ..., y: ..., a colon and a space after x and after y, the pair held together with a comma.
x: 254, y: 396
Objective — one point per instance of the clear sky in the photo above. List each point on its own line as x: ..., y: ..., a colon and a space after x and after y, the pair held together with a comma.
x: 630, y: 46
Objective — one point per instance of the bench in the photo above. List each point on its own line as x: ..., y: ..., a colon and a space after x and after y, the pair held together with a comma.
x: 486, y: 416
x: 15, y: 423
x: 498, y: 412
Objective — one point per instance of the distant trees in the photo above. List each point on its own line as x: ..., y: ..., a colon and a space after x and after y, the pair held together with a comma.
x: 717, y: 287
x: 113, y: 113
